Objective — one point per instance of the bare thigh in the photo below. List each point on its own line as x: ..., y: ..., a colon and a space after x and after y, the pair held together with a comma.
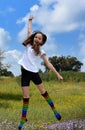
x: 25, y: 91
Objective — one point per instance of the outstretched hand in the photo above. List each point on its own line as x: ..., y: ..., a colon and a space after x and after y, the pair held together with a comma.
x: 60, y: 77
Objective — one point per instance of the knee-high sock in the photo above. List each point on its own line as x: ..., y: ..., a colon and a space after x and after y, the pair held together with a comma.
x: 24, y: 112
x: 51, y: 104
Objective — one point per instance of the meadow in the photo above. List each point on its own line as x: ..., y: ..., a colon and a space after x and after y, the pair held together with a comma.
x: 68, y: 97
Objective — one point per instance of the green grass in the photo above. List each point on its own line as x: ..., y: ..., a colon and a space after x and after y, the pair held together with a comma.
x: 68, y: 97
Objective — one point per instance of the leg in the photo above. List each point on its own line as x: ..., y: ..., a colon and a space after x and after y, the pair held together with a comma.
x: 49, y: 101
x: 25, y: 91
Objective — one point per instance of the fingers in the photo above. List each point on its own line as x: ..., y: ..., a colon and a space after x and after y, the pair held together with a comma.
x: 60, y: 78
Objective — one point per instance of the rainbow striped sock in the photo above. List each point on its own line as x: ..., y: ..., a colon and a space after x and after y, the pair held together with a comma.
x: 51, y: 104
x: 24, y: 112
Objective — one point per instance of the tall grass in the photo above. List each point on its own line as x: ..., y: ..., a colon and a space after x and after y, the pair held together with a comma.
x: 69, y: 99
x: 68, y: 76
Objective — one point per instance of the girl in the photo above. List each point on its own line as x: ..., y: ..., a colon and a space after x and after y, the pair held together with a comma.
x: 29, y: 70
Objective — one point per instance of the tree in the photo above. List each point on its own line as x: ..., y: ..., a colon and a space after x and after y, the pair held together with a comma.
x: 74, y: 64
x: 64, y: 63
x: 4, y: 67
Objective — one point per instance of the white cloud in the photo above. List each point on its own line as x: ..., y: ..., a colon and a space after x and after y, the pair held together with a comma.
x: 34, y: 8
x: 22, y: 35
x: 15, y: 54
x: 51, y: 46
x: 82, y: 49
x: 5, y: 38
x: 12, y: 57
x: 56, y: 16
x: 62, y: 16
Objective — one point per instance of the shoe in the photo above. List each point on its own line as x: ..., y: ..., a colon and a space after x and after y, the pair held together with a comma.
x: 20, y: 127
x: 58, y: 116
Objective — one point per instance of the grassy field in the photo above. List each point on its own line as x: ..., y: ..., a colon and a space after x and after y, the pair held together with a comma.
x: 68, y: 97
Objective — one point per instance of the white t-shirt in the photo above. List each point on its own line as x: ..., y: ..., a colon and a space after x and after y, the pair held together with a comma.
x: 30, y: 58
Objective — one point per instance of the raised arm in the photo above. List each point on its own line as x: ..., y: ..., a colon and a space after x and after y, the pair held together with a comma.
x: 30, y: 25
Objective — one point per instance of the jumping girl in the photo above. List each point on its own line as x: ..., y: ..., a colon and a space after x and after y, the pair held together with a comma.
x: 29, y: 70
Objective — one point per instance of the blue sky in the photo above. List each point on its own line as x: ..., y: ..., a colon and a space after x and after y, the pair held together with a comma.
x: 63, y: 21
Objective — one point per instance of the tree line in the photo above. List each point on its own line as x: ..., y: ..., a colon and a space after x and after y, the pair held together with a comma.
x: 63, y: 63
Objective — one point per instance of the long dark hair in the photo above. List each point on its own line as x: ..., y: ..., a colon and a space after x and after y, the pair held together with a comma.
x: 29, y: 40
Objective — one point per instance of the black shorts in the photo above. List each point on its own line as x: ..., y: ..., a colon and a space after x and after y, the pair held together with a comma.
x: 27, y: 76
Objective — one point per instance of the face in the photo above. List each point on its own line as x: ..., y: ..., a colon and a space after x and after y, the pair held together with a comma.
x: 38, y: 39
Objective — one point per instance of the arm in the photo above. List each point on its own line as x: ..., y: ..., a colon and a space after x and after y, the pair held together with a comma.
x: 30, y: 25
x: 50, y: 66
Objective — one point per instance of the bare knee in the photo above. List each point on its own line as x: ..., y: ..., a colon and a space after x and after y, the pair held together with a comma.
x: 25, y: 91
x: 41, y: 88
